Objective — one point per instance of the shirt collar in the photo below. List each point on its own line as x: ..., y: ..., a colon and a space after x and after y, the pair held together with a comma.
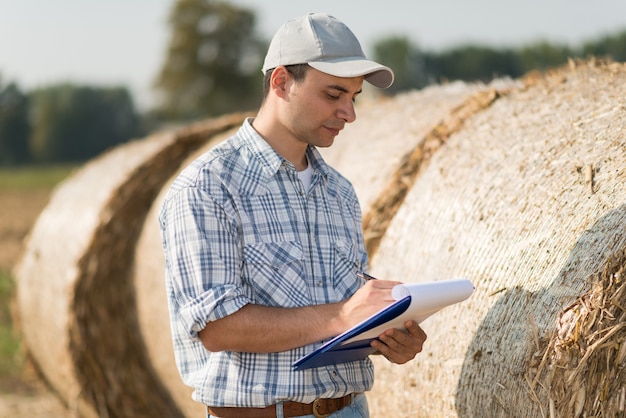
x: 269, y: 158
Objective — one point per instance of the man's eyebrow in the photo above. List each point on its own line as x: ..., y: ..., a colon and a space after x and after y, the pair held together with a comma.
x: 342, y: 89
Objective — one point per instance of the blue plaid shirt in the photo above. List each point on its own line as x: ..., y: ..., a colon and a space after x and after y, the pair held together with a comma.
x: 238, y: 227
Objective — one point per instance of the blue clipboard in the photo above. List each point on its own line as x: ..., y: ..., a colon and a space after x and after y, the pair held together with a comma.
x: 416, y: 301
x: 334, y: 351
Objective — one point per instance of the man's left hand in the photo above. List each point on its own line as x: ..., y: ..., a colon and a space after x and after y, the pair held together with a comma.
x: 401, y: 346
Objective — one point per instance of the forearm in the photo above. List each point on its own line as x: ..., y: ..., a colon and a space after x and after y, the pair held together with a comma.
x: 263, y: 329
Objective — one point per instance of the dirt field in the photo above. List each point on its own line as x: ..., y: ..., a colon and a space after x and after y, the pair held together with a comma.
x: 24, y: 395
x: 18, y: 211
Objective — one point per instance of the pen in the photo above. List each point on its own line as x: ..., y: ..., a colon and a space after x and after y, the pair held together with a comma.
x: 364, y: 276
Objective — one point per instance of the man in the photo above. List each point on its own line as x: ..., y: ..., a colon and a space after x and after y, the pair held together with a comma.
x: 263, y: 243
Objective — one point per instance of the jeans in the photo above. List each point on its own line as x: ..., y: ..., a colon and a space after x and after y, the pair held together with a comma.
x: 357, y: 409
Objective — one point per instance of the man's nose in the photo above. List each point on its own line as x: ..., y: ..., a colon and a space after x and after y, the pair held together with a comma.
x: 347, y: 111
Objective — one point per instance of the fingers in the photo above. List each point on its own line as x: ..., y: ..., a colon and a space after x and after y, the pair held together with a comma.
x: 416, y: 331
x: 381, y: 284
x: 401, y: 346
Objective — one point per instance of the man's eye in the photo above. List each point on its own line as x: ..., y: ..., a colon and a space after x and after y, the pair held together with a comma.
x: 332, y: 97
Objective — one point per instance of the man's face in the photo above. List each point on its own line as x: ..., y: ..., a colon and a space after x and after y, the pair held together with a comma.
x: 318, y: 107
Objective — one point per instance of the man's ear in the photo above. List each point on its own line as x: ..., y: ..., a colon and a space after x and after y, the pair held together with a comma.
x: 279, y: 80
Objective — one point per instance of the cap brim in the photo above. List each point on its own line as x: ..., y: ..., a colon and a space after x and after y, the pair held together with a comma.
x: 375, y: 73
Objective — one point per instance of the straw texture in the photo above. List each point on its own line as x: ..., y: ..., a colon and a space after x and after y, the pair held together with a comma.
x: 527, y: 201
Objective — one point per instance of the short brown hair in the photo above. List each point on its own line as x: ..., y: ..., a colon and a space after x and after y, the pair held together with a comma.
x: 298, y: 72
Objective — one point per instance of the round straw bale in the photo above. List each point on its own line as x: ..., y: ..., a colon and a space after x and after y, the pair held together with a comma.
x: 74, y: 295
x: 528, y: 201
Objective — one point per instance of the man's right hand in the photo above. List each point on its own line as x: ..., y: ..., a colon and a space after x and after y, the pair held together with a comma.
x: 373, y: 296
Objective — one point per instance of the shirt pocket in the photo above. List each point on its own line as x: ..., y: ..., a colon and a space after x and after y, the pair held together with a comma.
x: 347, y: 263
x: 274, y: 274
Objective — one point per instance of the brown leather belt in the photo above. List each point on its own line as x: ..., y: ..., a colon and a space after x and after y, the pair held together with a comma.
x: 322, y: 407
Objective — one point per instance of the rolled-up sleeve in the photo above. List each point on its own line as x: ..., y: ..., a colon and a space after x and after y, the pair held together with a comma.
x: 203, y: 259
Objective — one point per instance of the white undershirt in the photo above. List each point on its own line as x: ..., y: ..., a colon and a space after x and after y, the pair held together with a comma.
x: 305, y: 175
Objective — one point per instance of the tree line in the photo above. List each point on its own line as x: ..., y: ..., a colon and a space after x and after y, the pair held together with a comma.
x: 415, y: 69
x: 212, y: 67
x: 64, y: 123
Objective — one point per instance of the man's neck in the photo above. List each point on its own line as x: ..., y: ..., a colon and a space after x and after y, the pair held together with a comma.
x: 281, y: 141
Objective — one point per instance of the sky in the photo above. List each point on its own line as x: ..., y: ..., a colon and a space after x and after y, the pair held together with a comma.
x: 123, y: 42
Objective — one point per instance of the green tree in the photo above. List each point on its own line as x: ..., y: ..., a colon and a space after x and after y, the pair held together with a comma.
x: 613, y: 46
x: 543, y: 55
x: 405, y: 59
x: 74, y: 123
x: 416, y: 69
x: 213, y: 61
x: 473, y: 63
x: 14, y: 126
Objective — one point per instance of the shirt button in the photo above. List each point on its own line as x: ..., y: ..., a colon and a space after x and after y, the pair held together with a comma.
x: 320, y: 283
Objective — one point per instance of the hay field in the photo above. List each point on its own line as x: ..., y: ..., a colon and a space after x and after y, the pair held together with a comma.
x: 18, y: 212
x: 517, y: 185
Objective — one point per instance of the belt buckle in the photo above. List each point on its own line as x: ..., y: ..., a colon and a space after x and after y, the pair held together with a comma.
x: 315, y: 413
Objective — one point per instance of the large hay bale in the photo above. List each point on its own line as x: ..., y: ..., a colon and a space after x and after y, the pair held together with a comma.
x: 528, y: 201
x: 75, y: 296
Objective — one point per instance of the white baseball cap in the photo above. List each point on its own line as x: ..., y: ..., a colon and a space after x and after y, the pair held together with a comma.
x: 326, y: 44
